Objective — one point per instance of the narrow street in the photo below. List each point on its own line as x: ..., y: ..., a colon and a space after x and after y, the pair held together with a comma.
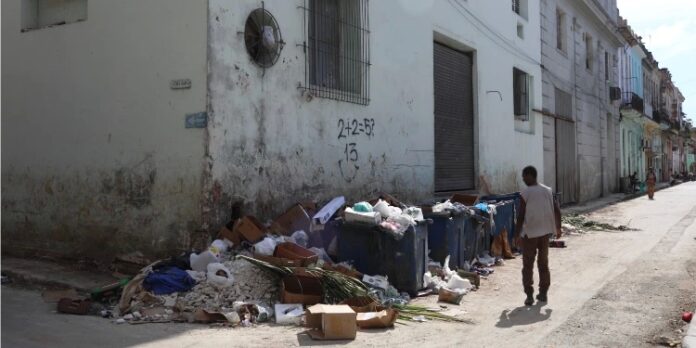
x: 609, y: 289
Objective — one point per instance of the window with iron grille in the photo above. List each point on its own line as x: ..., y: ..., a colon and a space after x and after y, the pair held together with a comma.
x: 520, y: 82
x: 520, y: 7
x: 337, y: 55
x: 589, y: 52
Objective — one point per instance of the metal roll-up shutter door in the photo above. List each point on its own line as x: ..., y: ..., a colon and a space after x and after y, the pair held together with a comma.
x: 565, y: 148
x: 565, y: 161
x: 454, y: 120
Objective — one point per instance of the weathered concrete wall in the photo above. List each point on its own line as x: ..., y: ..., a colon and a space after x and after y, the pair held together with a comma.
x: 95, y: 156
x: 271, y: 146
x: 596, y: 117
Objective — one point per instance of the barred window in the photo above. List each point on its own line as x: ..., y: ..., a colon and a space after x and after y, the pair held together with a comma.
x: 337, y: 50
x: 520, y: 82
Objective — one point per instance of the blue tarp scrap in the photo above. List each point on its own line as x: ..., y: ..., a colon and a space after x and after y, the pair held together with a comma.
x: 168, y: 280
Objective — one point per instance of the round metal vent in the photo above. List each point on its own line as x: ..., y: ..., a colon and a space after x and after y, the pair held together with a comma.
x: 262, y: 38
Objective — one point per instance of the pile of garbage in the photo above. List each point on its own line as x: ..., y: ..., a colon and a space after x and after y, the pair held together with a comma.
x: 286, y: 270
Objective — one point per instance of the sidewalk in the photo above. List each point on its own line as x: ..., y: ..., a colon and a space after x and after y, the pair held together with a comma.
x: 51, y: 274
x: 606, y: 201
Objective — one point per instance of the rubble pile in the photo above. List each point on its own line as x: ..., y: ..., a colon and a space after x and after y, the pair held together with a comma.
x: 251, y: 284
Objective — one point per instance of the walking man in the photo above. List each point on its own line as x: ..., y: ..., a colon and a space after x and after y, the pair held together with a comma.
x: 538, y: 218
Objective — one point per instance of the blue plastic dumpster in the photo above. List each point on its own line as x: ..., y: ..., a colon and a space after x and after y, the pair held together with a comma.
x: 375, y: 252
x: 473, y: 233
x: 506, y: 213
x: 446, y: 236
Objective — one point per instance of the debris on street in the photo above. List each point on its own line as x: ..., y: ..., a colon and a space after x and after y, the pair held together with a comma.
x: 335, y: 269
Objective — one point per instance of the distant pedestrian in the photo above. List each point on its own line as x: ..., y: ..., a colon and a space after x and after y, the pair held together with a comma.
x: 538, y: 218
x: 634, y: 182
x: 651, y: 180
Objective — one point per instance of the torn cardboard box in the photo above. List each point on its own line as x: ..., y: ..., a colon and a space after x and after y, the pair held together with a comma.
x: 294, y: 219
x: 250, y: 229
x: 331, y: 322
x: 301, y: 289
x: 228, y: 232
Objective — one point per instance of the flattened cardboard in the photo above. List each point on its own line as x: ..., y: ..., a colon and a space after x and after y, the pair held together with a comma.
x: 331, y: 322
x: 329, y: 210
x: 377, y: 320
x: 279, y: 261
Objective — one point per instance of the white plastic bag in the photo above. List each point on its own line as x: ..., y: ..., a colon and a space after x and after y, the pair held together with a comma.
x: 446, y: 269
x: 459, y: 284
x: 220, y: 245
x: 265, y: 247
x: 382, y: 207
x: 219, y: 276
x: 414, y: 212
x: 200, y: 262
x: 300, y: 238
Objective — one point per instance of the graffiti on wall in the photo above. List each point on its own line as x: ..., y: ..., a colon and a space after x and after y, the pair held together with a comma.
x: 350, y: 132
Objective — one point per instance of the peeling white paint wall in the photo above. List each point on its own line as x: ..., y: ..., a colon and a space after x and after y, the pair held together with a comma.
x: 270, y: 146
x: 95, y: 156
x: 596, y: 116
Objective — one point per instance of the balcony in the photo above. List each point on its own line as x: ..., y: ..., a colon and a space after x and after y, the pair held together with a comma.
x: 632, y: 101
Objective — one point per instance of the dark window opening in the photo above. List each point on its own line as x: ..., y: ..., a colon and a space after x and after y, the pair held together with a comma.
x: 520, y: 81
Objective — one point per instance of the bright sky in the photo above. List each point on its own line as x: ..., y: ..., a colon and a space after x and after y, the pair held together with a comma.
x: 668, y: 28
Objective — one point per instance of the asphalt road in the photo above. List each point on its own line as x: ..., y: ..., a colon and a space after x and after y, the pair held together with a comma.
x: 609, y: 289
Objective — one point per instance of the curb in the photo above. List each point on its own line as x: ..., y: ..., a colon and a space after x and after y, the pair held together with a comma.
x: 23, y: 280
x: 689, y: 340
x: 44, y: 274
x: 625, y: 198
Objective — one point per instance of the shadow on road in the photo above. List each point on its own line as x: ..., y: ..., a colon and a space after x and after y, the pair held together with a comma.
x: 524, y: 315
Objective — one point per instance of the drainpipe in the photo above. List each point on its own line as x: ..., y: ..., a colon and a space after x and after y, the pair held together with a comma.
x: 601, y: 111
x: 575, y: 94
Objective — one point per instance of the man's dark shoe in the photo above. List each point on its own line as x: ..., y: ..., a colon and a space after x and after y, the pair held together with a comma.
x: 542, y: 297
x: 530, y: 300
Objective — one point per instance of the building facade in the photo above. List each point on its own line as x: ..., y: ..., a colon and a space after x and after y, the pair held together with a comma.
x: 633, y: 112
x: 142, y: 134
x: 429, y: 114
x: 96, y: 158
x: 579, y: 45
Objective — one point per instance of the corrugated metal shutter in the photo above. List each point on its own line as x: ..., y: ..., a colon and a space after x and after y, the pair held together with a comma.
x: 565, y: 148
x: 454, y: 120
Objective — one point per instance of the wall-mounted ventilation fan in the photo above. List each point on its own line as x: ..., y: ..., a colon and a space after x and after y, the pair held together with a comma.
x: 262, y: 38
